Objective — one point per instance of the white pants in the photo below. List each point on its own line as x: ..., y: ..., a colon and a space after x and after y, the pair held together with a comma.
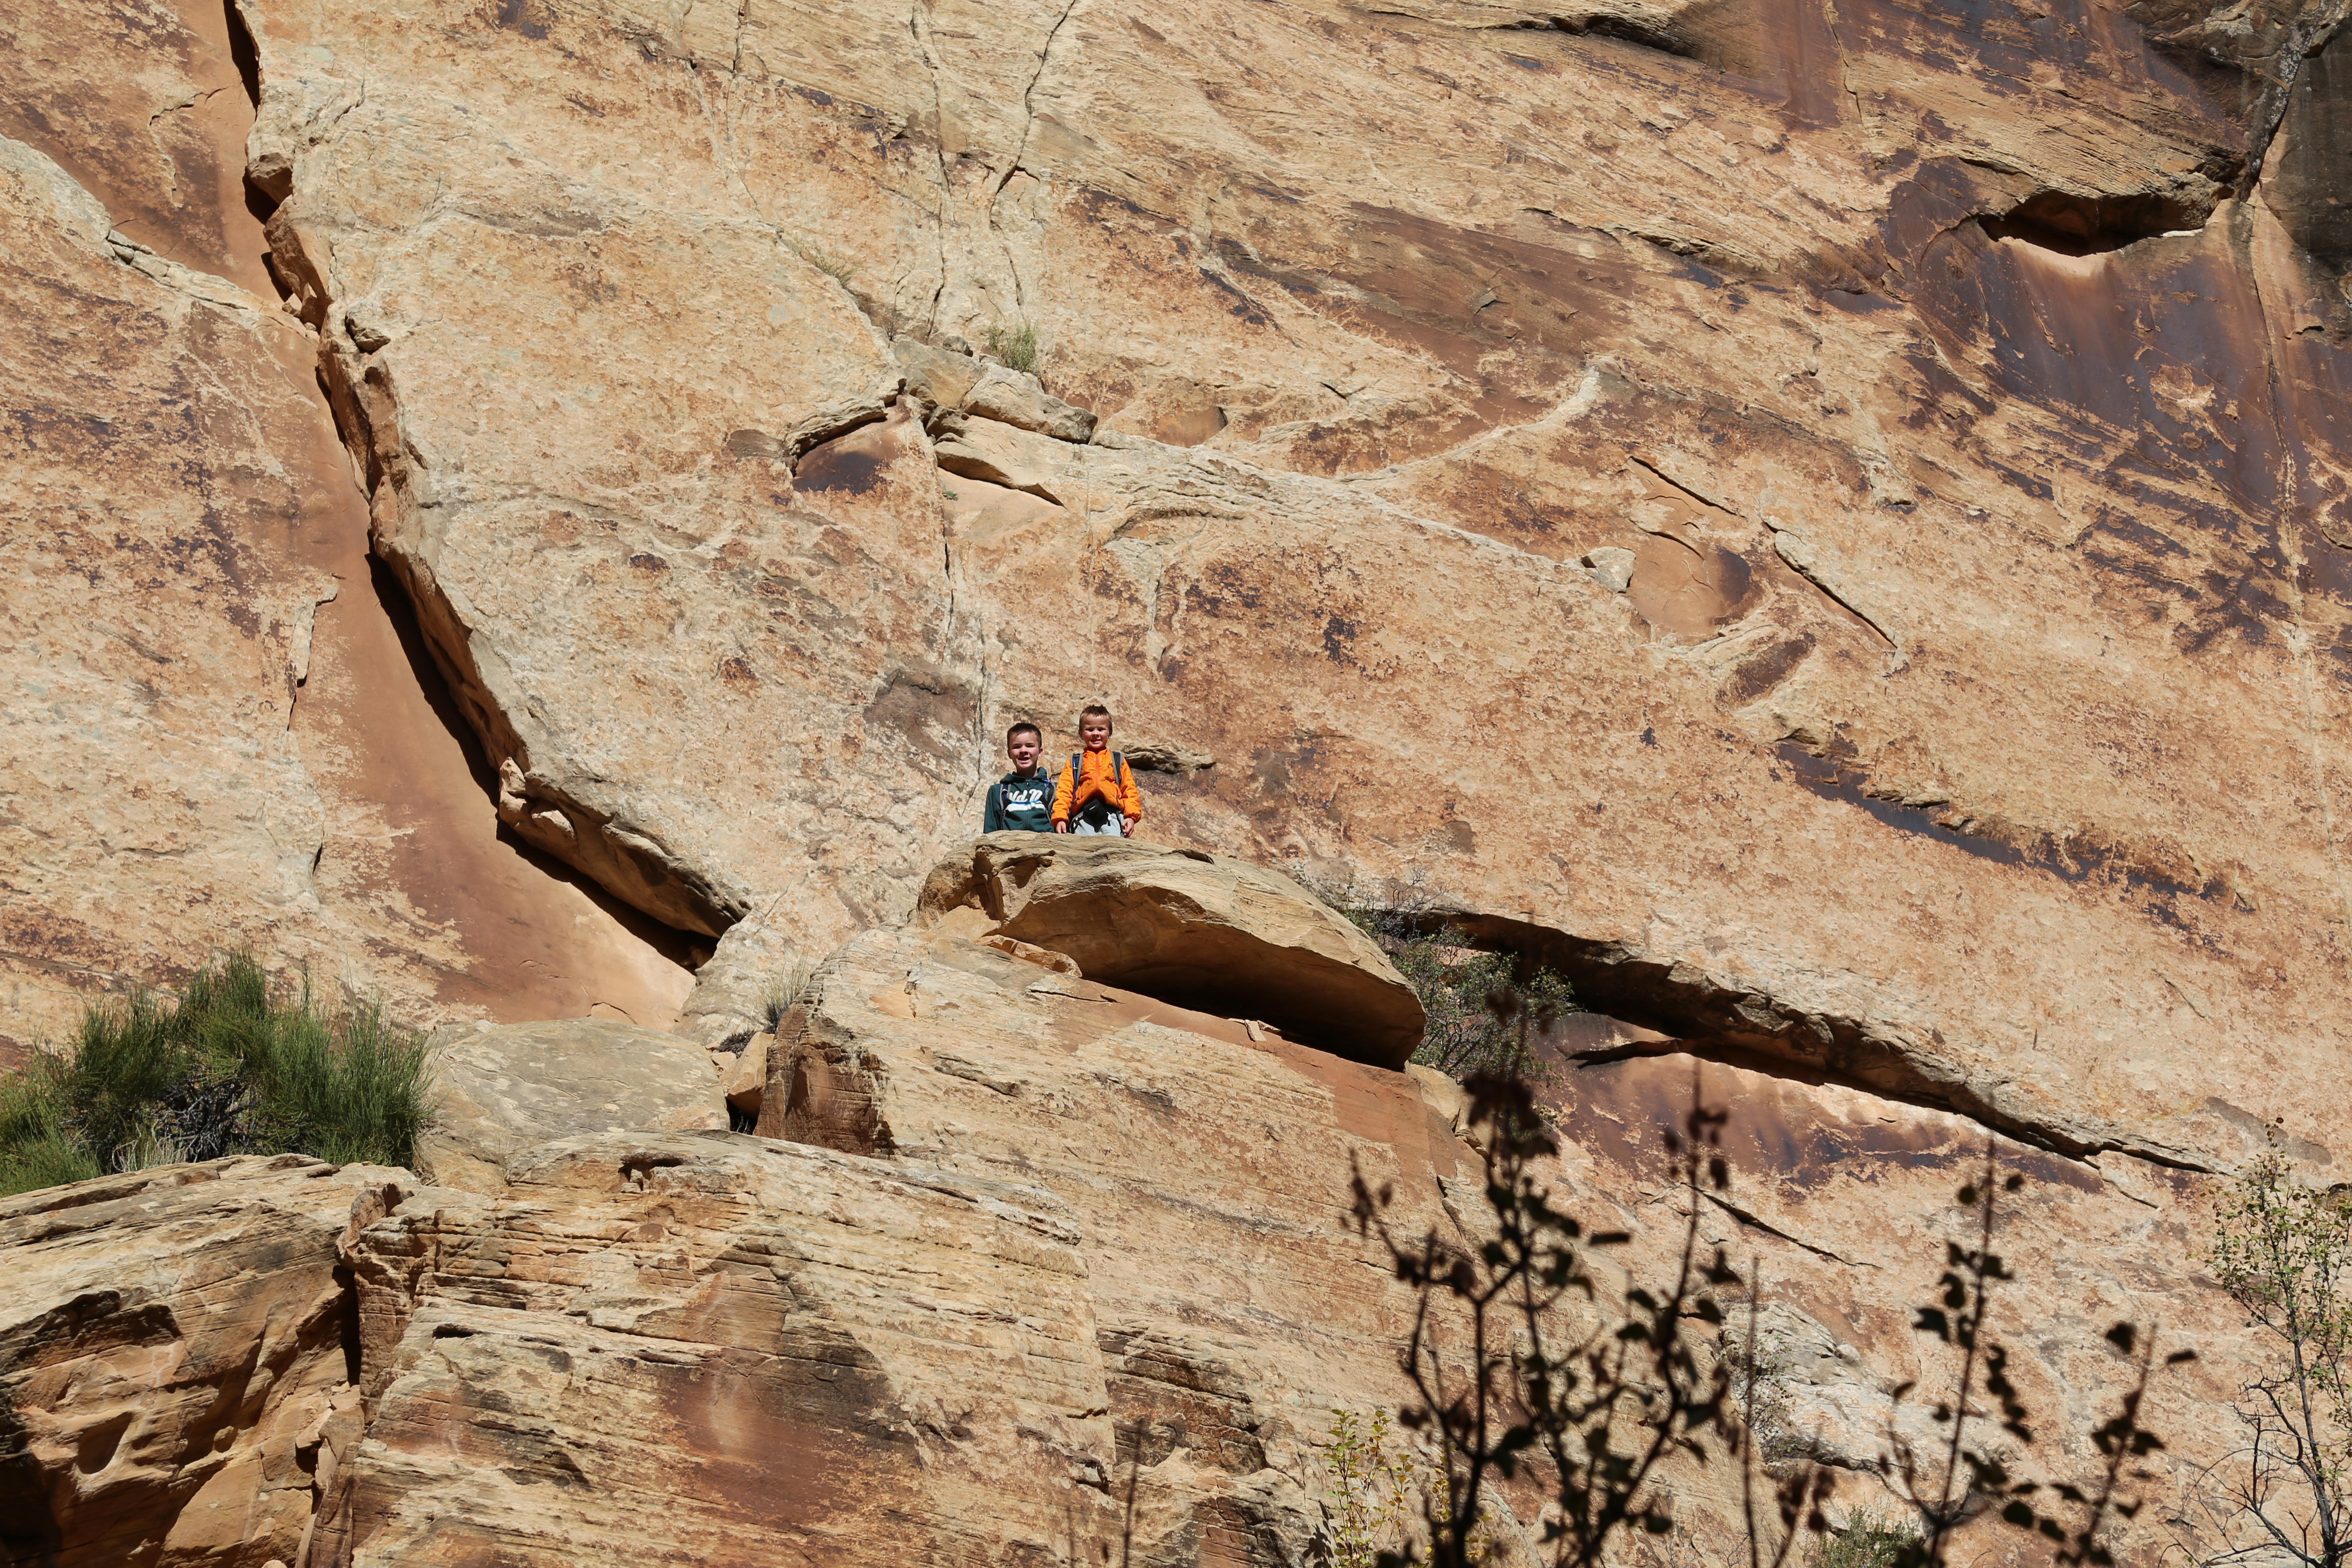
x: 1108, y: 829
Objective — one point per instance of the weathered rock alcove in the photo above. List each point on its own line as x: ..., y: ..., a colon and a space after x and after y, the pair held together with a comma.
x: 1199, y: 930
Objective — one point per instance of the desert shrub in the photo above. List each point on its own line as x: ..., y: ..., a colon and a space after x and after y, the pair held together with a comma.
x: 237, y: 1065
x: 1484, y: 1014
x: 838, y: 267
x: 1484, y: 1009
x: 2282, y: 1248
x: 1867, y: 1542
x: 1368, y: 1488
x: 783, y: 993
x: 1015, y: 347
x: 1375, y: 1490
x: 35, y: 1149
x: 1526, y: 1361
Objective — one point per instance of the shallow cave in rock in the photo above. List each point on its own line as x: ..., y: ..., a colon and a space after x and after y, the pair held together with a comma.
x: 2085, y: 225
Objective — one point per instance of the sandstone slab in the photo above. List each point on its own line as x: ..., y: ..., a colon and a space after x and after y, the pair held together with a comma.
x: 507, y: 1089
x: 959, y: 384
x: 175, y: 1385
x: 1062, y: 1293
x: 745, y: 1078
x: 727, y: 1352
x: 1202, y: 931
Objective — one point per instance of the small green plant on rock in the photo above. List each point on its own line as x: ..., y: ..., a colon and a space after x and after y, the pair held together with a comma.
x: 783, y: 995
x: 237, y: 1065
x: 1369, y: 1487
x: 1759, y: 1386
x: 1015, y: 347
x: 1375, y: 1492
x: 2283, y: 1251
x: 1867, y: 1542
x: 1485, y: 1010
x: 839, y: 268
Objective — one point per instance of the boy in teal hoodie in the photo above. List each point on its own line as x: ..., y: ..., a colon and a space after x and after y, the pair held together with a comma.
x: 1023, y: 800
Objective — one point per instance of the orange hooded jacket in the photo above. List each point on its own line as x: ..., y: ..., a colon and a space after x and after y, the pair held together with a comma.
x: 1097, y: 777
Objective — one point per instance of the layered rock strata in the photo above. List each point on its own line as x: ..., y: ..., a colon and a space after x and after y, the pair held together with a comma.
x: 179, y: 1360
x: 1021, y: 1266
x: 216, y: 737
x: 1826, y: 524
x: 2017, y: 351
x: 1025, y: 1279
x: 497, y: 1091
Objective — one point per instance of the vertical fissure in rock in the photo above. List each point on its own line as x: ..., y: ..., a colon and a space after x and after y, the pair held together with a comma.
x: 1028, y: 123
x: 247, y: 56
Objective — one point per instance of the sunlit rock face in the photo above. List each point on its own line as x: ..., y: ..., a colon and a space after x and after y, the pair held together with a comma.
x: 1831, y: 525
x: 221, y: 727
x: 1963, y: 392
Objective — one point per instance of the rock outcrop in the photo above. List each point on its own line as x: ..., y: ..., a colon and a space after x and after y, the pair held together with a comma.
x: 1206, y: 933
x: 1020, y: 1265
x: 178, y: 1361
x: 215, y: 733
x: 1829, y: 525
x: 499, y: 1090
x: 1352, y: 441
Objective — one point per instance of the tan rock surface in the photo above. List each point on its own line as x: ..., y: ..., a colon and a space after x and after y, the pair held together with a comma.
x: 1108, y: 1248
x: 174, y: 1383
x: 731, y: 1353
x: 744, y: 1077
x: 500, y: 1090
x: 1665, y: 293
x: 1951, y: 410
x: 215, y: 736
x: 1841, y: 1207
x: 1039, y: 1245
x: 1215, y: 935
x: 1183, y: 1189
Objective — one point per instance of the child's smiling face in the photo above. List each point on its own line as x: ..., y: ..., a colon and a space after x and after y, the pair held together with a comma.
x: 1095, y: 730
x: 1023, y: 749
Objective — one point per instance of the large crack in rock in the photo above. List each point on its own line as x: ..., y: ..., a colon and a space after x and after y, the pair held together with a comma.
x: 193, y: 568
x: 1839, y: 1026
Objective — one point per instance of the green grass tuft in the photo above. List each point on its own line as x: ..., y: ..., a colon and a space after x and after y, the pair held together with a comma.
x: 1867, y: 1542
x: 783, y: 994
x: 1015, y: 348
x: 237, y: 1065
x: 840, y: 268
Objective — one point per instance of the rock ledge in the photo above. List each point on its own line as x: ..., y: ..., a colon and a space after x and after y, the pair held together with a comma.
x: 1197, y: 929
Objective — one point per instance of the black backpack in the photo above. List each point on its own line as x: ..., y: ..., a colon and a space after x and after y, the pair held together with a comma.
x: 1117, y: 775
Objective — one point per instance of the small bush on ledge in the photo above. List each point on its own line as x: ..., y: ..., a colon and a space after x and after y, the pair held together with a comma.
x: 1015, y: 347
x: 235, y: 1067
x: 1484, y: 1010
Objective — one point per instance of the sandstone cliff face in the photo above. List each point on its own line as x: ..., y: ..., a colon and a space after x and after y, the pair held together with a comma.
x: 1829, y: 524
x: 1032, y: 1245
x: 216, y: 735
x: 1019, y: 1266
x: 1964, y: 394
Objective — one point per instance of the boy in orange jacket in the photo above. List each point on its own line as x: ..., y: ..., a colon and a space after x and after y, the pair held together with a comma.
x: 1096, y: 793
